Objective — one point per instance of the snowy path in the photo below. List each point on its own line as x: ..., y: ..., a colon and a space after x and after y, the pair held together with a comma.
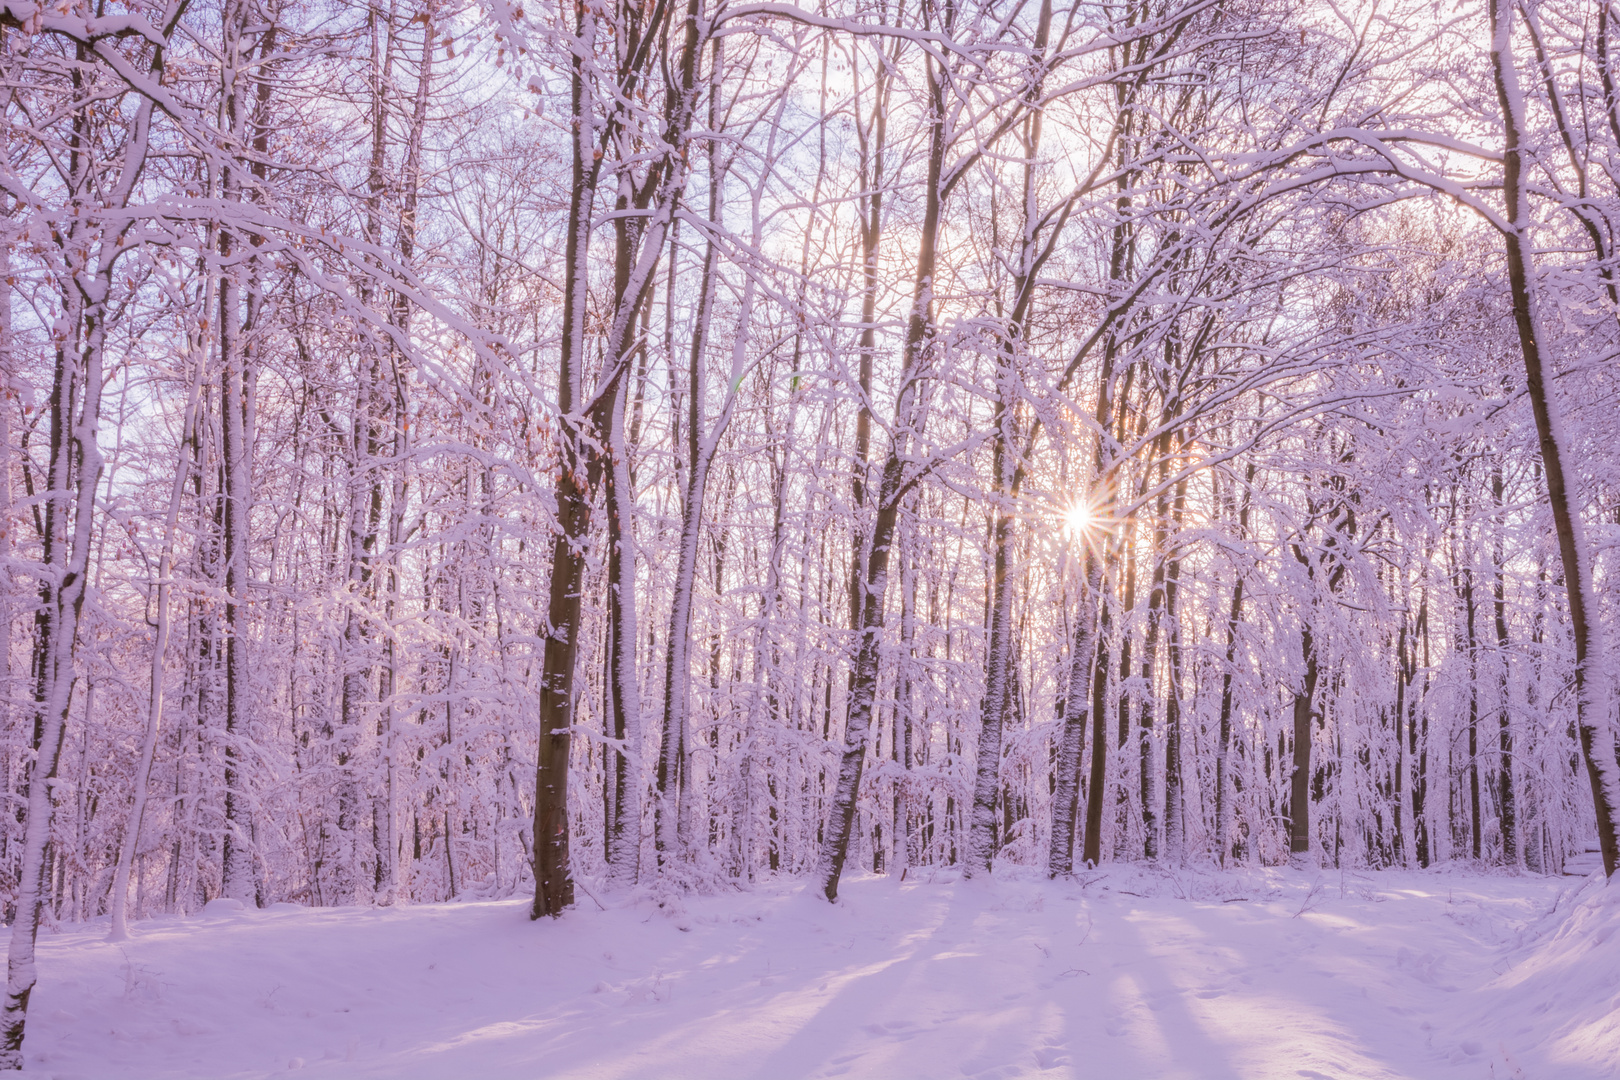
x: 1369, y: 976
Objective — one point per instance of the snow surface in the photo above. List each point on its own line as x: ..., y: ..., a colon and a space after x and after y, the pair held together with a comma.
x: 1126, y: 973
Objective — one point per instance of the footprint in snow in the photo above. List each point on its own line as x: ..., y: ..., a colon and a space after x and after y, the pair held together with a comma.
x: 1050, y: 1057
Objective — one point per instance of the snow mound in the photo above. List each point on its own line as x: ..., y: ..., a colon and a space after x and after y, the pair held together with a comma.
x: 1559, y: 1003
x: 223, y: 908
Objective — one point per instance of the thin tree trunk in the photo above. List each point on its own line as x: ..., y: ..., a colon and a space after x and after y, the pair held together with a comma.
x: 1223, y: 752
x: 1008, y: 469
x: 154, y: 708
x: 1110, y: 413
x: 674, y: 744
x: 553, y: 880
x: 584, y: 419
x: 624, y: 698
x: 237, y: 872
x: 893, y: 485
x: 906, y: 852
x: 1076, y: 712
x: 1404, y: 674
x: 1592, y: 687
x: 8, y: 597
x: 386, y: 842
x: 1507, y: 817
x: 1299, y: 794
x: 871, y: 133
x: 74, y: 471
x: 1471, y: 638
x: 1147, y: 703
x: 986, y: 783
x: 1175, y: 814
x: 1097, y: 790
x: 1420, y: 741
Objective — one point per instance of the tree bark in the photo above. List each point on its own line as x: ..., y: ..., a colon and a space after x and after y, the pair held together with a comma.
x: 1223, y: 750
x: 893, y: 485
x: 675, y: 740
x: 1299, y: 794
x: 1507, y: 816
x: 1592, y: 678
x: 74, y: 471
x: 1175, y: 813
x: 624, y: 695
x: 553, y: 880
x: 586, y: 420
x: 1076, y: 712
x: 986, y: 781
x: 128, y: 846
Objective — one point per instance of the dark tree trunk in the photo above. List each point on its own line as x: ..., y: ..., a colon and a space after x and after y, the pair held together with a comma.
x: 1299, y: 795
x: 1507, y: 809
x: 893, y: 485
x: 1592, y: 689
x: 1076, y: 711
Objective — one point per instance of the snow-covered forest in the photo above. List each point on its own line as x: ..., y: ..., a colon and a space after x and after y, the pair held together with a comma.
x: 473, y: 451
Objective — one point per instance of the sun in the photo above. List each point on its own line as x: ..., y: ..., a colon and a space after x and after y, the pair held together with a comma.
x: 1078, y: 519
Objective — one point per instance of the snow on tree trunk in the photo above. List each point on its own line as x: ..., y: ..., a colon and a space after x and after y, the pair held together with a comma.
x: 1593, y: 688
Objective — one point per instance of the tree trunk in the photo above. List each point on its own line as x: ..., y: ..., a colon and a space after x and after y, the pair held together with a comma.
x: 1008, y: 468
x: 1097, y: 790
x: 1592, y: 688
x: 986, y: 781
x: 127, y: 848
x: 1076, y: 712
x: 74, y: 471
x: 586, y: 420
x: 1405, y: 672
x: 624, y: 696
x: 235, y: 383
x: 553, y: 880
x: 675, y: 741
x: 1471, y: 638
x: 1175, y: 814
x: 893, y: 485
x: 1299, y: 796
x: 1507, y: 810
x: 1223, y: 751
x: 1147, y: 702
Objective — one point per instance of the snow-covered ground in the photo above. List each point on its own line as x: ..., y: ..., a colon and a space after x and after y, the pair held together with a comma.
x: 1122, y: 974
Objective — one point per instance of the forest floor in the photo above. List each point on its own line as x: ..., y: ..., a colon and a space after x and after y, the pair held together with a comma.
x: 1121, y: 974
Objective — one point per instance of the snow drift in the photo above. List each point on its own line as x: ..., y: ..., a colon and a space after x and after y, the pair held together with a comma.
x: 1555, y: 1012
